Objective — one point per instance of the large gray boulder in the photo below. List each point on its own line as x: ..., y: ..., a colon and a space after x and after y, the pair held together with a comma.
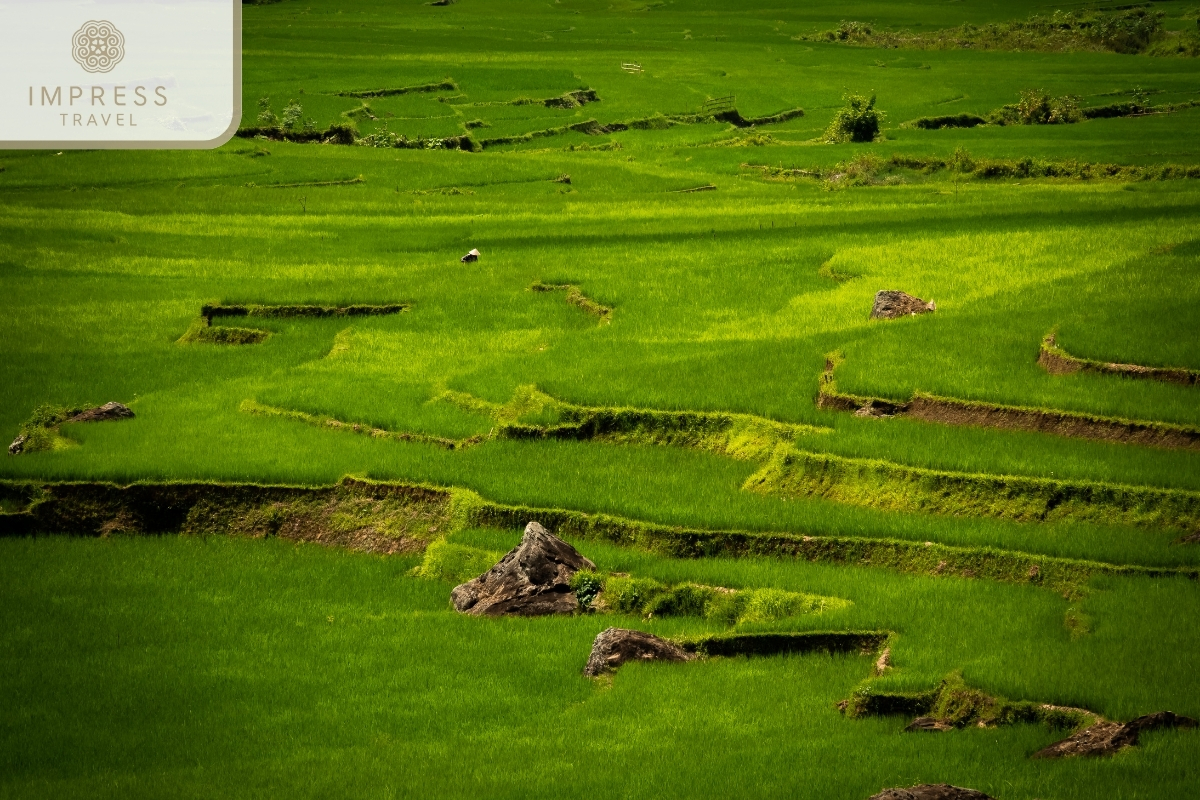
x: 931, y: 791
x: 614, y: 646
x: 891, y: 304
x: 1106, y: 738
x: 533, y: 579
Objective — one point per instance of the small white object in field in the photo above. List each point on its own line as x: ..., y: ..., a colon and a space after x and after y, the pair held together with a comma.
x: 471, y: 256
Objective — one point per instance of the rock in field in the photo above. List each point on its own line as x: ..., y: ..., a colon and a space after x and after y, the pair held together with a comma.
x: 103, y: 413
x: 892, y: 304
x: 931, y: 791
x: 929, y: 725
x: 1106, y: 738
x: 18, y: 444
x: 531, y: 580
x: 614, y: 646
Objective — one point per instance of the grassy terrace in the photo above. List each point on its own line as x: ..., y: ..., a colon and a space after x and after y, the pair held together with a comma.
x: 197, y: 665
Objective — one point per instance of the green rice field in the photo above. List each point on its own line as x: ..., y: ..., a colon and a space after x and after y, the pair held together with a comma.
x: 693, y: 278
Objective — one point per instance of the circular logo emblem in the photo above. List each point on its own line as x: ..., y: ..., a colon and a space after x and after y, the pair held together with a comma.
x: 98, y: 46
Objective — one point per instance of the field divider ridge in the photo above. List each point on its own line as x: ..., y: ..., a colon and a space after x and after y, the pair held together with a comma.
x: 953, y: 411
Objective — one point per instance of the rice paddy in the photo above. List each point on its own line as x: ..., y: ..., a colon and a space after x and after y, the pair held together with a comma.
x: 670, y: 255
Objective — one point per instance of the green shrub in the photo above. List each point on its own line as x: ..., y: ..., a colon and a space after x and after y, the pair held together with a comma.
x: 586, y: 585
x: 266, y: 117
x: 1036, y: 107
x: 858, y: 121
x: 292, y: 114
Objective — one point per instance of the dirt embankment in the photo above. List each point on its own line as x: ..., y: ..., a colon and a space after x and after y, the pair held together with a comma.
x: 1059, y: 423
x: 951, y: 411
x: 1057, y: 361
x: 358, y: 515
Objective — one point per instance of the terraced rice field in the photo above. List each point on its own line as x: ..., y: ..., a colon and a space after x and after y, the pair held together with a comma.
x: 664, y: 354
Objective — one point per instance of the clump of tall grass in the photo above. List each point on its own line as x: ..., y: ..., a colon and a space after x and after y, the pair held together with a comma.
x: 454, y: 563
x: 650, y: 598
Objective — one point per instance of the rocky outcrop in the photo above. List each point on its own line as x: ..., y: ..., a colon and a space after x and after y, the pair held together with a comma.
x: 931, y: 791
x: 103, y: 413
x: 929, y: 725
x: 533, y: 579
x: 891, y: 304
x: 1106, y: 738
x: 614, y: 646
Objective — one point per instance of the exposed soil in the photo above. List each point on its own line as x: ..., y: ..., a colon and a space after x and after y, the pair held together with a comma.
x: 212, y: 311
x: 949, y: 411
x: 770, y: 644
x: 444, y: 86
x: 83, y: 509
x: 358, y: 515
x: 1059, y: 423
x: 931, y: 791
x: 1057, y: 361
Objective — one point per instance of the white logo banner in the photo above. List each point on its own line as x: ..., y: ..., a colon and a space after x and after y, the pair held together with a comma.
x: 119, y: 73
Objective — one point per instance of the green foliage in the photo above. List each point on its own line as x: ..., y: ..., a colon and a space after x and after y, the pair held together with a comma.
x: 857, y: 121
x: 1123, y: 30
x: 649, y: 598
x: 40, y: 431
x: 685, y: 600
x: 767, y: 605
x: 1036, y: 107
x: 454, y: 563
x: 266, y: 117
x: 627, y: 595
x: 292, y: 115
x: 723, y: 313
x: 587, y: 586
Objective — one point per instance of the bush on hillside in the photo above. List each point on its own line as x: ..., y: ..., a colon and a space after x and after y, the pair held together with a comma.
x: 858, y: 121
x: 1036, y: 107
